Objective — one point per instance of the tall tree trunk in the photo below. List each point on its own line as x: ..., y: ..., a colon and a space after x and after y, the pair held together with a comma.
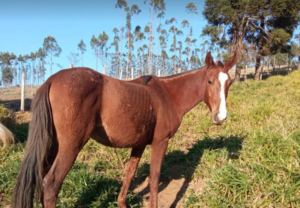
x: 238, y: 69
x: 175, y: 51
x: 262, y: 69
x: 128, y: 48
x: 121, y: 67
x: 150, y: 37
x: 260, y: 47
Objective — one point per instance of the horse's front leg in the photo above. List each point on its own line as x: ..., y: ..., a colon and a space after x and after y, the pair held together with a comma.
x: 158, y: 150
x: 135, y: 157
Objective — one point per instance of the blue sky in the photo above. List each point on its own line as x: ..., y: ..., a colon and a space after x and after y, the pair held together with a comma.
x: 25, y: 24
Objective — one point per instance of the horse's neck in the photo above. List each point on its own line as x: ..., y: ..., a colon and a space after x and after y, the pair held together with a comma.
x: 186, y: 90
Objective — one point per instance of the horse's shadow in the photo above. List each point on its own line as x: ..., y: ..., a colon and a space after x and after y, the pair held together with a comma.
x: 176, y: 165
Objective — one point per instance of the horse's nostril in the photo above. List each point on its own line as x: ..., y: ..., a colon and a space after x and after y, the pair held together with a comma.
x: 216, y: 117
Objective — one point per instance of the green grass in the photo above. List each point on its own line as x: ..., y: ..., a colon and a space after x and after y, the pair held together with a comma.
x: 252, y: 160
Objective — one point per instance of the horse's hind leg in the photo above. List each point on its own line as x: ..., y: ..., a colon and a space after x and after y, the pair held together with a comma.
x: 135, y: 157
x: 53, y: 180
x: 69, y: 145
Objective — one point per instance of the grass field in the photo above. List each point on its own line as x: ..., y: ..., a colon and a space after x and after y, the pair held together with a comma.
x: 252, y: 160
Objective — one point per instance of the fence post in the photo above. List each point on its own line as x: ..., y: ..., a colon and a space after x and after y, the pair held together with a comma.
x: 23, y: 91
x: 131, y: 72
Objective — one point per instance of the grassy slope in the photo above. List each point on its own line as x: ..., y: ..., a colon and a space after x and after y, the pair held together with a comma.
x: 250, y: 161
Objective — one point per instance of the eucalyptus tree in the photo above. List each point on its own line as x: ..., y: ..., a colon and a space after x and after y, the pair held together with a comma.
x: 41, y: 55
x: 175, y: 32
x: 95, y: 45
x: 115, y: 43
x: 145, y: 58
x: 160, y: 7
x: 147, y: 29
x: 103, y: 38
x: 203, y: 51
x: 14, y: 62
x: 197, y: 51
x: 21, y: 60
x: 139, y: 36
x: 128, y: 36
x: 32, y: 57
x: 51, y: 48
x: 82, y: 48
x: 191, y: 9
x: 134, y: 10
x: 121, y: 4
x: 163, y: 44
x: 28, y: 71
x: 180, y: 53
x: 185, y: 24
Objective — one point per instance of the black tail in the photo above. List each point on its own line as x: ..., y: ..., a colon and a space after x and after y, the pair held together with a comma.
x: 34, y: 164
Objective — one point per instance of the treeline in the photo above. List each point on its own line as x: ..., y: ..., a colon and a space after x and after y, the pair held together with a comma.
x: 259, y: 30
x: 33, y: 64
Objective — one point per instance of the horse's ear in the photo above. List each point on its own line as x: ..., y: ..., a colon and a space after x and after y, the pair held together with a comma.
x: 230, y: 63
x: 209, y: 60
x: 219, y: 63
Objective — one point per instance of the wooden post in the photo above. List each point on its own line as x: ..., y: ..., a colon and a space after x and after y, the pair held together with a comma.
x: 104, y: 70
x: 131, y: 72
x: 71, y: 65
x: 23, y: 91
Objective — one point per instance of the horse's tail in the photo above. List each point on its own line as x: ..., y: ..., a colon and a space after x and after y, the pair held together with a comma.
x: 6, y: 137
x: 34, y: 164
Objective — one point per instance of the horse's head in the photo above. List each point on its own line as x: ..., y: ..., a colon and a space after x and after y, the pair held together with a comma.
x: 216, y: 87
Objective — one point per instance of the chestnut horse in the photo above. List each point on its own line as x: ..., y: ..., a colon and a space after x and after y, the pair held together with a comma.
x: 77, y: 104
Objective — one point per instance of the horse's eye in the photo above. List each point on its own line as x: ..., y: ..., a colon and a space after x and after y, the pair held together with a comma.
x: 209, y: 82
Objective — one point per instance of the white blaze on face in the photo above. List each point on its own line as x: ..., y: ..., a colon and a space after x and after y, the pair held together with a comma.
x: 222, y: 114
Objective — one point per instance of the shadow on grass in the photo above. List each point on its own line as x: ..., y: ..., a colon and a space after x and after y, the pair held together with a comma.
x: 15, y: 105
x: 179, y: 165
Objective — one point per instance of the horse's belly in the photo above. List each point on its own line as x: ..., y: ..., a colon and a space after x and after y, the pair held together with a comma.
x: 118, y: 138
x: 99, y: 135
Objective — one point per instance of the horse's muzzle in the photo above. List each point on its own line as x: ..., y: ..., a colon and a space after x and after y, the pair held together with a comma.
x: 216, y: 120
